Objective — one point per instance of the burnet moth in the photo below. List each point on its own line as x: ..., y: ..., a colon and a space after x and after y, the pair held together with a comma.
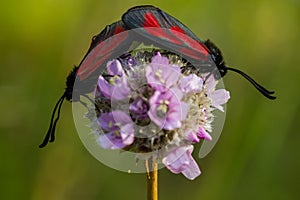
x: 168, y: 30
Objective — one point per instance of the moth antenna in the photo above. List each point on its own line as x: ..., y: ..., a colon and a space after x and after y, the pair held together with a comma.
x: 51, y: 130
x: 52, y: 135
x: 259, y: 87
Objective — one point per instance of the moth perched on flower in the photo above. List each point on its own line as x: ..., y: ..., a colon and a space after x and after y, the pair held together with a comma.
x: 146, y: 103
x: 157, y: 101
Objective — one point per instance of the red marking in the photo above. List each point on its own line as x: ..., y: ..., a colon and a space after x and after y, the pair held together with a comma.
x: 208, y: 51
x: 162, y: 34
x: 100, y: 54
x: 150, y: 21
x: 191, y: 53
x: 191, y: 43
x: 178, y: 29
x: 118, y: 29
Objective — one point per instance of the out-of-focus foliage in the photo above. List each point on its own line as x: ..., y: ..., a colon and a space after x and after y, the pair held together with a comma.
x: 257, y: 156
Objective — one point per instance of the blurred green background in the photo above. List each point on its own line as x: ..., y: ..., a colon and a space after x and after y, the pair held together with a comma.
x: 257, y: 156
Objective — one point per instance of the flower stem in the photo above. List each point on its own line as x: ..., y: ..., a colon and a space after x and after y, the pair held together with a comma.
x: 152, y: 182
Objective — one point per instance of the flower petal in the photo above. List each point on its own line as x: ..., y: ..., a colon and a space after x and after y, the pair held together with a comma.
x: 107, y: 122
x: 160, y: 74
x: 177, y: 160
x: 119, y: 90
x: 121, y: 117
x: 192, y: 171
x: 121, y: 130
x: 210, y: 82
x: 166, y: 110
x: 127, y: 134
x: 158, y: 59
x: 202, y: 134
x: 192, y: 137
x: 104, y: 87
x: 191, y: 83
x: 111, y: 141
x: 219, y: 97
x: 114, y: 67
x: 180, y: 160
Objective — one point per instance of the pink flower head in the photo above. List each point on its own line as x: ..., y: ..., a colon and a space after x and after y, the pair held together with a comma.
x: 159, y: 108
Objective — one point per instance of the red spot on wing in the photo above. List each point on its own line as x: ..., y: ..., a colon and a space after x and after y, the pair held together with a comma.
x: 162, y: 34
x: 118, y: 29
x: 99, y: 55
x: 150, y: 21
x: 177, y: 28
x: 191, y: 43
x: 191, y: 53
x: 186, y: 45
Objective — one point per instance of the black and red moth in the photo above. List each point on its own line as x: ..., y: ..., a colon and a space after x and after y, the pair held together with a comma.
x: 156, y: 26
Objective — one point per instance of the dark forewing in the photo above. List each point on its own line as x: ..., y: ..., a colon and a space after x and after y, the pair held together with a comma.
x: 108, y: 31
x: 101, y: 48
x: 151, y: 24
x: 150, y: 16
x: 165, y: 31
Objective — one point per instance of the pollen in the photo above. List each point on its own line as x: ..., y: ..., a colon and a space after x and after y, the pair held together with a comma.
x: 114, y: 80
x: 163, y: 106
x: 158, y: 74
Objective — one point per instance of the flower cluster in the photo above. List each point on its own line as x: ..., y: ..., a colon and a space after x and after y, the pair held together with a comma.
x: 145, y: 102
